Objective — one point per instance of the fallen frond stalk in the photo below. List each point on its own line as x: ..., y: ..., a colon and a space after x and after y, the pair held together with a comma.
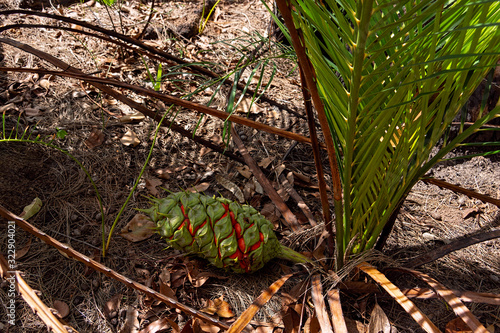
x: 106, y: 270
x: 458, y: 244
x: 29, y: 295
x: 339, y: 325
x: 464, y: 296
x: 246, y: 317
x: 458, y: 307
x: 119, y: 96
x: 319, y: 305
x: 290, y: 218
x: 394, y: 291
x: 168, y: 99
x: 456, y: 188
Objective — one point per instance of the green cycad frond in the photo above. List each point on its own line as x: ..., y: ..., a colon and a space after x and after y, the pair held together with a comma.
x: 393, y: 75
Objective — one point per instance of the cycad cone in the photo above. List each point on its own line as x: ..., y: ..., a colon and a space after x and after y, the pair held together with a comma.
x: 231, y: 236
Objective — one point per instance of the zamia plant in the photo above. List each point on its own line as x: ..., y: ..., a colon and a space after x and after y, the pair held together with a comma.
x: 392, y: 76
x: 229, y: 235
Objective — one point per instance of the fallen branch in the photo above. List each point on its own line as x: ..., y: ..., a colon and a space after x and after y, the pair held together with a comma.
x: 290, y: 218
x: 453, y: 246
x: 456, y: 188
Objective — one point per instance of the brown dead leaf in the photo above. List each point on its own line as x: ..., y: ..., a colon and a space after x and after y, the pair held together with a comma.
x: 457, y: 325
x: 44, y: 83
x: 32, y: 112
x: 258, y: 187
x: 209, y: 308
x: 246, y: 106
x: 202, y: 327
x: 265, y: 162
x: 270, y: 212
x: 165, y: 276
x: 166, y: 173
x: 198, y: 279
x: 131, y: 324
x: 167, y: 291
x: 188, y: 327
x: 355, y: 326
x: 291, y: 320
x: 379, y: 323
x: 138, y: 229
x: 178, y: 277
x: 244, y: 171
x: 173, y: 325
x: 62, y: 309
x: 22, y: 252
x: 134, y: 117
x: 151, y: 184
x: 230, y: 186
x: 223, y: 308
x: 470, y: 212
x: 112, y: 305
x: 248, y: 190
x: 156, y: 326
x: 312, y: 325
x: 130, y: 139
x: 96, y: 138
x: 199, y: 188
x: 6, y: 107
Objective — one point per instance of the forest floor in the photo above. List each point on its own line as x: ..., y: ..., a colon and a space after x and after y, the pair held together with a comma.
x: 87, y: 124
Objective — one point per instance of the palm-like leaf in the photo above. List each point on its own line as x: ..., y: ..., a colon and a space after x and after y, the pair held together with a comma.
x: 395, y: 75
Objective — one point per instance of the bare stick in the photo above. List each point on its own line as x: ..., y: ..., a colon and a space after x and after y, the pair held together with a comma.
x: 453, y: 246
x: 290, y: 218
x: 456, y: 188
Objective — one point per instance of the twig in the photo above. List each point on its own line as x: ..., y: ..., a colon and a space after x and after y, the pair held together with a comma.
x: 453, y: 246
x: 300, y: 202
x: 462, y: 190
x: 290, y: 218
x: 147, y: 22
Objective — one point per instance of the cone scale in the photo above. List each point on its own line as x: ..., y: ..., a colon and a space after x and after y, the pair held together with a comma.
x: 229, y: 235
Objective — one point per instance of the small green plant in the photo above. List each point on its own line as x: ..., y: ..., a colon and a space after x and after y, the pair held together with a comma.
x: 61, y: 134
x: 205, y: 16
